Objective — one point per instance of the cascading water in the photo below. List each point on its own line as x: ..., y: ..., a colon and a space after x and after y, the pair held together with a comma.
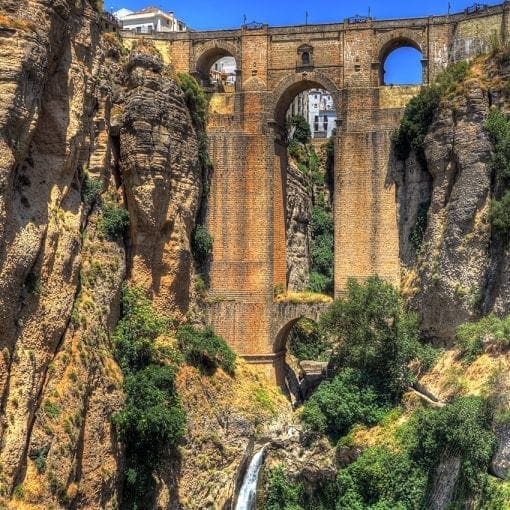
x: 248, y: 492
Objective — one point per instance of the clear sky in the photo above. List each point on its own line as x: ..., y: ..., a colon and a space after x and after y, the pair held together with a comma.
x: 210, y: 14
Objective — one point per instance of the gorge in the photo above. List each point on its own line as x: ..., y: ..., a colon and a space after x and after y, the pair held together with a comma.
x: 157, y: 240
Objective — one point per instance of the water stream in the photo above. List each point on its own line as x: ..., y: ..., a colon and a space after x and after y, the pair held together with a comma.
x: 248, y: 492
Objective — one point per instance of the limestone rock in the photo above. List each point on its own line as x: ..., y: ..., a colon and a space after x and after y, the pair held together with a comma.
x: 162, y: 177
x: 458, y: 272
x: 299, y: 215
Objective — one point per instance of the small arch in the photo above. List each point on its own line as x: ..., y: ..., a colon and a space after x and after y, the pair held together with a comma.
x: 401, y: 53
x: 305, y: 58
x: 290, y: 87
x: 217, y: 65
x: 291, y: 346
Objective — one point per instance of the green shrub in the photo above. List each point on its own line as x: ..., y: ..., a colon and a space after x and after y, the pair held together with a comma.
x: 472, y: 336
x: 136, y: 331
x: 499, y: 215
x: 201, y: 243
x: 19, y: 492
x: 280, y: 493
x: 39, y: 458
x: 339, y: 404
x: 51, y: 409
x: 498, y: 126
x: 417, y: 233
x: 382, y: 479
x: 203, y: 348
x: 91, y: 190
x: 461, y: 428
x: 308, y: 342
x: 152, y: 418
x: 301, y: 128
x: 376, y: 335
x: 496, y: 495
x: 196, y: 100
x: 415, y: 123
x: 114, y: 223
x: 420, y: 111
x: 322, y: 249
x: 319, y: 283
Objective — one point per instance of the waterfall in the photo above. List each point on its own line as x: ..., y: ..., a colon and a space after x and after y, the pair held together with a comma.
x: 248, y: 492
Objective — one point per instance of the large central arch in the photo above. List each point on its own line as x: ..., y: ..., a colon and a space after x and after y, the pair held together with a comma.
x: 286, y: 90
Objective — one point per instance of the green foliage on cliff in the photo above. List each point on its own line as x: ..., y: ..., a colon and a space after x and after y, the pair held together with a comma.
x: 91, y: 190
x: 490, y: 330
x: 376, y: 335
x: 280, y: 493
x: 418, y: 232
x: 322, y: 249
x: 115, y: 222
x: 201, y: 243
x: 420, y: 111
x: 460, y: 429
x: 415, y: 123
x: 205, y: 349
x: 339, y: 404
x: 196, y: 100
x: 498, y: 127
x: 307, y: 341
x: 403, y: 476
x: 137, y: 331
x: 376, y: 341
x: 152, y: 418
x: 301, y: 128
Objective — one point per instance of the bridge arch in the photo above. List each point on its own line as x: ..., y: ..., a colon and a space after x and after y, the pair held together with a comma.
x: 394, y: 42
x: 208, y: 53
x: 288, y: 88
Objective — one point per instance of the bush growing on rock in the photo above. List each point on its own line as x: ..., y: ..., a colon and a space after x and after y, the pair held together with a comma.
x: 115, y: 222
x: 339, y: 404
x: 205, y: 349
x: 376, y: 335
x: 201, y: 243
x: 152, y: 417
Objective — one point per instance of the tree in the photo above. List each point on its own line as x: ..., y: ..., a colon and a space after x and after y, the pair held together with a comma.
x: 375, y: 334
x: 302, y: 131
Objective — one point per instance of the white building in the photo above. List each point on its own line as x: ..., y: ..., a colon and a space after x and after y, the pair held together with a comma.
x: 299, y: 106
x: 321, y: 113
x: 150, y: 19
x: 318, y: 108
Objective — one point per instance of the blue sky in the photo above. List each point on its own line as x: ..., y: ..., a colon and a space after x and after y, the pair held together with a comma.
x: 207, y: 14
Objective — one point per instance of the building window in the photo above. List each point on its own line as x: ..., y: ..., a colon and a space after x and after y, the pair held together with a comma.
x: 325, y: 123
x: 305, y: 58
x: 316, y: 123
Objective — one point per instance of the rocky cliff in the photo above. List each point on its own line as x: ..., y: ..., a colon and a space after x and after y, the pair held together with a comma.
x: 89, y: 131
x: 299, y: 215
x: 455, y: 266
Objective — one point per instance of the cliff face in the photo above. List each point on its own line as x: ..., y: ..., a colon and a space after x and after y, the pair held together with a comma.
x: 50, y: 53
x: 460, y: 270
x: 77, y: 117
x: 162, y: 178
x: 299, y: 215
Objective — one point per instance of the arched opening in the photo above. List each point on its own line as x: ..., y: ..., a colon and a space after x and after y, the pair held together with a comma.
x: 216, y: 70
x: 401, y: 63
x: 305, y: 58
x: 304, y: 169
x: 306, y: 351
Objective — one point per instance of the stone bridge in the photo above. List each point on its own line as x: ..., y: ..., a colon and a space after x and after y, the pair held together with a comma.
x: 248, y: 145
